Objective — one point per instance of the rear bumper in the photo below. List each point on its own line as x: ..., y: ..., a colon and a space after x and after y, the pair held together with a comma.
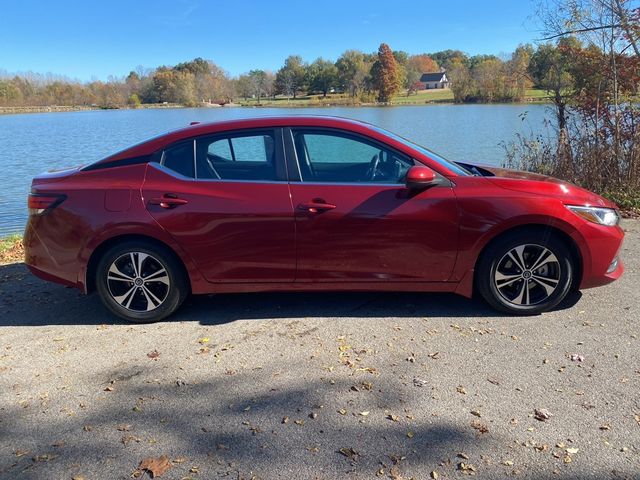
x: 49, y: 259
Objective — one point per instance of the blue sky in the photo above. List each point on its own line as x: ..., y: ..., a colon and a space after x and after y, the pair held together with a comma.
x: 90, y: 39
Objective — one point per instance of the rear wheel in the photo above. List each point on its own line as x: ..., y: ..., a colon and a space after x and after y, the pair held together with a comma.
x: 525, y: 273
x: 140, y: 282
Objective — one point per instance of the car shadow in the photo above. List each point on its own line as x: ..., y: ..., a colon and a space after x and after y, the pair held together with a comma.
x: 28, y: 301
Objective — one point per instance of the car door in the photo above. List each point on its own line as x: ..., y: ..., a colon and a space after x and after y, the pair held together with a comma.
x: 225, y: 200
x: 355, y: 219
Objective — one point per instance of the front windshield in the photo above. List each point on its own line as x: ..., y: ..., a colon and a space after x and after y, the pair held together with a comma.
x: 454, y: 167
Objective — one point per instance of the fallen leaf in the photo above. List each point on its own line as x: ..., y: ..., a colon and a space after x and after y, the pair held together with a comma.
x: 203, y: 340
x: 393, y: 418
x: 364, y: 414
x: 285, y: 420
x: 476, y: 413
x: 410, y: 434
x: 577, y: 358
x: 108, y: 389
x: 123, y: 428
x: 58, y: 443
x: 155, y: 466
x: 350, y: 453
x: 434, y: 475
x: 508, y: 463
x: 21, y: 453
x: 467, y: 468
x: 342, y: 411
x: 299, y: 422
x: 605, y: 427
x: 542, y: 414
x: 461, y: 389
x: 572, y: 451
x: 480, y: 427
x: 154, y: 354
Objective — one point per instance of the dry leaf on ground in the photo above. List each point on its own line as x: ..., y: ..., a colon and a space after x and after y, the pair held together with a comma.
x: 155, y: 466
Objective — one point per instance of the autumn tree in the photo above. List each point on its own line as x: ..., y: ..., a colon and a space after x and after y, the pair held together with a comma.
x: 385, y: 74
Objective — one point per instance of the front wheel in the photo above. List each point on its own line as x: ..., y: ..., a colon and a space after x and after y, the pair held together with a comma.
x: 525, y: 273
x: 140, y: 282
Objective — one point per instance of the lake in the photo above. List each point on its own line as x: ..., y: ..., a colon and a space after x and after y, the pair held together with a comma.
x: 33, y: 143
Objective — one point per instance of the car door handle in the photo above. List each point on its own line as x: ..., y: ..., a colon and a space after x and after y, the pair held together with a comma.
x: 168, y: 201
x: 316, y: 206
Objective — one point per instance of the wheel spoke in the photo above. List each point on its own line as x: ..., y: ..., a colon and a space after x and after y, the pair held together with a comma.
x: 517, y: 256
x: 523, y: 295
x: 134, y: 264
x: 503, y: 280
x: 127, y: 297
x: 116, y: 271
x: 549, y: 284
x: 141, y: 258
x: 157, y: 278
x: 551, y: 258
x: 152, y: 300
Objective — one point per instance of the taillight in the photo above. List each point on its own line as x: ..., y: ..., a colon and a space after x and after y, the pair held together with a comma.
x: 40, y: 203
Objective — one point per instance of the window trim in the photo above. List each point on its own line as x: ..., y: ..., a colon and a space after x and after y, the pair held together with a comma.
x: 281, y: 167
x: 293, y: 162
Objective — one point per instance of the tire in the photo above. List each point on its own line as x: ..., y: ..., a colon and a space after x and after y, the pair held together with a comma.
x: 140, y: 282
x: 540, y: 284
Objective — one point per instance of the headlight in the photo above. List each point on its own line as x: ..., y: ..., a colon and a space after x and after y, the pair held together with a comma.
x: 599, y: 215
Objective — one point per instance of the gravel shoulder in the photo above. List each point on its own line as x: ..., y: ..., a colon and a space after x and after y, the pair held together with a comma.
x: 321, y: 386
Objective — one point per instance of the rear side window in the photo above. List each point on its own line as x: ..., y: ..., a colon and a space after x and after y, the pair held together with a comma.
x: 179, y: 158
x: 249, y: 156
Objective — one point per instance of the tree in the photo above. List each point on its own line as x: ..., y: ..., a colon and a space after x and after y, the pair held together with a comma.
x: 323, y: 76
x: 258, y: 80
x: 243, y: 86
x: 385, y: 74
x: 291, y: 78
x: 353, y: 69
x: 447, y: 58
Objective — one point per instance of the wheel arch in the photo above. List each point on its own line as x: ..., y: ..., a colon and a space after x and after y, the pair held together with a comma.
x: 94, y: 259
x: 577, y: 259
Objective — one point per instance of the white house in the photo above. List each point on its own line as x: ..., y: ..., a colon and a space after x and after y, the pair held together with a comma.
x: 435, y: 80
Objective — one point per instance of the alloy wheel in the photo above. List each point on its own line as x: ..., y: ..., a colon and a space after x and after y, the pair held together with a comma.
x: 527, y: 275
x: 138, y: 281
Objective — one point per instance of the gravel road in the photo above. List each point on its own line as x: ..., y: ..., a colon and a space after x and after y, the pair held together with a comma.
x: 305, y: 386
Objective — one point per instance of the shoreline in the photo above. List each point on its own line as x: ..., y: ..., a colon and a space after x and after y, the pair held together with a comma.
x: 271, y: 104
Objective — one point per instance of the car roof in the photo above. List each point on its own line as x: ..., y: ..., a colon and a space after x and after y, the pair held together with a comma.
x: 199, y: 129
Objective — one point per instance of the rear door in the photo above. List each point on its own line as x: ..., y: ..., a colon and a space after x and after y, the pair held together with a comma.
x: 355, y: 219
x: 225, y: 200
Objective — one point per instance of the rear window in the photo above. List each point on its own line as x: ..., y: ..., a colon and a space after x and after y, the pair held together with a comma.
x: 179, y: 158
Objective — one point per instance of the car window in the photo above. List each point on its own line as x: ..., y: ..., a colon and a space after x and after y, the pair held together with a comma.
x: 341, y: 158
x: 237, y: 157
x: 179, y: 158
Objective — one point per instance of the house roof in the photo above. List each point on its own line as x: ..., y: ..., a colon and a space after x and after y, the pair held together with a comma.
x: 432, y: 77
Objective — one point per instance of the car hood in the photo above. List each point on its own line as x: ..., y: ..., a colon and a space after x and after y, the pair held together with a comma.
x: 538, y: 184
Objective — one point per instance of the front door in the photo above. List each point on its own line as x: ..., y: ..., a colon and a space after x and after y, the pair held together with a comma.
x: 225, y: 200
x: 357, y: 222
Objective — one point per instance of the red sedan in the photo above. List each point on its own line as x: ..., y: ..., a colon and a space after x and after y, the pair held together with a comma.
x: 312, y: 203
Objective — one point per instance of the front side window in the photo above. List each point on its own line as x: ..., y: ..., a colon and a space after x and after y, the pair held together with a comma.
x: 248, y: 157
x: 341, y: 158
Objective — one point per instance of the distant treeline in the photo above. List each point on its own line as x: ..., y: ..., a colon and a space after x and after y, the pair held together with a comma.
x: 363, y: 77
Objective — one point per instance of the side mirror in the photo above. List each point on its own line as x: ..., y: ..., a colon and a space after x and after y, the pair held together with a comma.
x: 421, y: 178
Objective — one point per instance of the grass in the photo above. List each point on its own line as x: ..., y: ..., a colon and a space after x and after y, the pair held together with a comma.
x: 11, y: 249
x: 339, y: 99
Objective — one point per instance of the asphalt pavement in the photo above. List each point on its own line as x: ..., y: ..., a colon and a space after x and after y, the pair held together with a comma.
x: 323, y: 385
